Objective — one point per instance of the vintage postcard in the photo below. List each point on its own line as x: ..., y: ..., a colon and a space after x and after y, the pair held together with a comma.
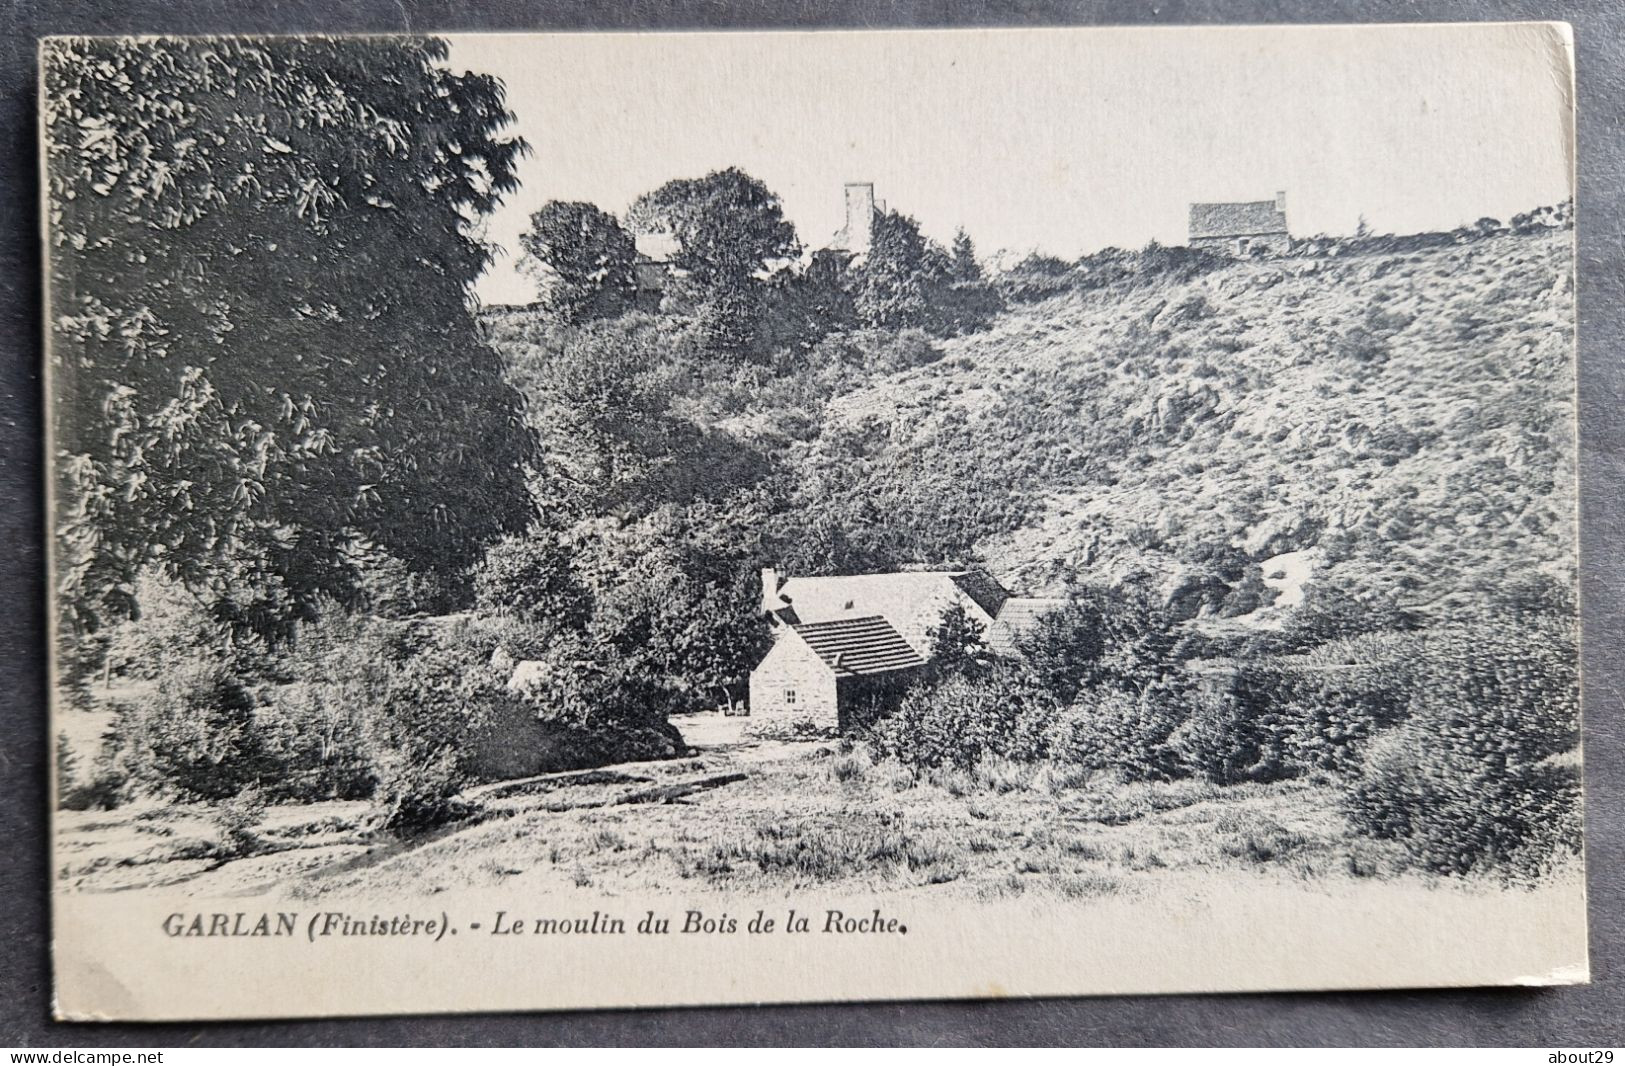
x: 601, y: 520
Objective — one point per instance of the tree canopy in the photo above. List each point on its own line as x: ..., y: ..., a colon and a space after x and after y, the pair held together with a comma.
x: 905, y: 278
x: 582, y: 259
x: 728, y: 227
x: 965, y: 268
x: 729, y: 230
x: 263, y: 352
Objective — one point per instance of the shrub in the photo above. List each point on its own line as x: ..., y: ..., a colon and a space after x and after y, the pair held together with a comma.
x: 1329, y: 612
x: 1338, y: 696
x: 958, y: 720
x: 529, y: 578
x: 196, y: 737
x: 885, y: 351
x: 1481, y: 775
x: 851, y: 767
x: 1035, y: 278
x: 788, y: 727
x: 418, y: 734
x: 172, y: 631
x: 1248, y: 595
x: 317, y: 731
x: 968, y: 306
x: 1117, y: 640
x: 1121, y: 731
x: 390, y: 589
x: 107, y: 788
x: 956, y: 641
x: 236, y: 819
x: 108, y: 784
x: 1233, y: 734
x: 1361, y: 344
x: 593, y: 706
x: 1284, y: 716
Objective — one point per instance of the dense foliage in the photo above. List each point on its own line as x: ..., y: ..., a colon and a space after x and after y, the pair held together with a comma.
x: 582, y: 259
x: 1483, y: 773
x: 261, y: 261
x: 729, y: 230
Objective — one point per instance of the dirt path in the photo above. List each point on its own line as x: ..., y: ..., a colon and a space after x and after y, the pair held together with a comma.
x: 151, y: 845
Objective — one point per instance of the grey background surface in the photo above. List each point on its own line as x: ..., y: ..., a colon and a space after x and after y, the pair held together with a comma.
x: 1570, y: 1018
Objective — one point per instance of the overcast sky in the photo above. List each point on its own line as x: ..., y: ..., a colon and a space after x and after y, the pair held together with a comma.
x: 1064, y: 141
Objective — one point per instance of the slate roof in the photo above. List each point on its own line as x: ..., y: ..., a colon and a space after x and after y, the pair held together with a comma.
x: 858, y: 647
x: 1018, y: 617
x: 1252, y: 219
x: 900, y: 596
x: 988, y: 594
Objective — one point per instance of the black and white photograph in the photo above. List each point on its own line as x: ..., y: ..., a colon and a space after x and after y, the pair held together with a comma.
x: 574, y: 520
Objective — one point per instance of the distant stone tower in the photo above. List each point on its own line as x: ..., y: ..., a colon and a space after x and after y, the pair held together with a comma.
x: 857, y: 234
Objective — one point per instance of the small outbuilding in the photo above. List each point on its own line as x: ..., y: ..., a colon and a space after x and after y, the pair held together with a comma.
x: 1255, y: 227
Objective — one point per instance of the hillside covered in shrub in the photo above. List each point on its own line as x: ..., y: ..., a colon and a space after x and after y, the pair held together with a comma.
x: 1398, y: 426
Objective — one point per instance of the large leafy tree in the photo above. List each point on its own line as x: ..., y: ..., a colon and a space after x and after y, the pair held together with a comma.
x: 263, y: 353
x: 729, y: 229
x: 602, y: 408
x: 677, y: 602
x: 582, y: 259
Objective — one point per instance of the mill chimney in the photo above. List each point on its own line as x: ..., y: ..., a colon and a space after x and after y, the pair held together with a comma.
x: 771, y: 600
x: 1280, y: 202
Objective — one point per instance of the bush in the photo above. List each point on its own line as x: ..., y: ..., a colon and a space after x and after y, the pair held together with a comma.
x: 1482, y: 775
x: 236, y: 820
x: 173, y: 631
x: 195, y: 738
x: 1329, y: 612
x: 968, y: 306
x: 614, y: 717
x: 106, y: 787
x: 1035, y: 278
x: 1338, y: 696
x: 1233, y: 734
x: 959, y: 720
x: 389, y: 589
x: 789, y: 727
x: 529, y: 578
x: 317, y: 730
x: 1121, y: 731
x: 1286, y: 716
x: 591, y: 706
x: 1106, y: 640
x: 419, y: 734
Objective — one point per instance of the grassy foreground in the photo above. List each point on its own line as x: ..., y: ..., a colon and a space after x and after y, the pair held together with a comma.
x: 750, y: 817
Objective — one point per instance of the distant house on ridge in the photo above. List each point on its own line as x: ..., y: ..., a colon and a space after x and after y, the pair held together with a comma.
x: 652, y: 268
x: 1241, y: 229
